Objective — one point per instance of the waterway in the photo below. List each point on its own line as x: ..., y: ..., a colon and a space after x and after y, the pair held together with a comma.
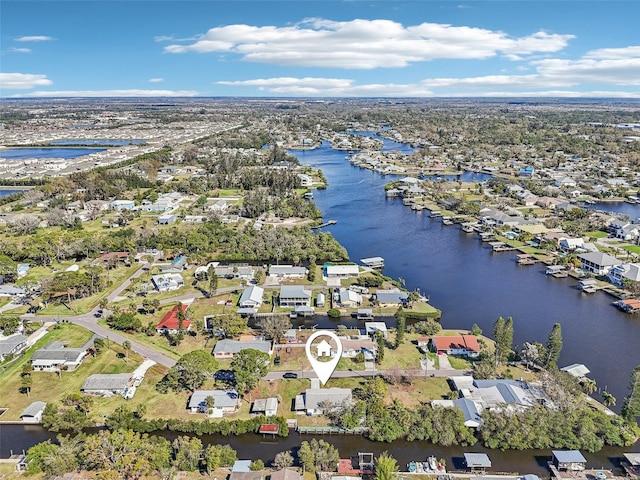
x: 4, y: 193
x: 40, y: 153
x: 466, y: 280
x: 251, y: 446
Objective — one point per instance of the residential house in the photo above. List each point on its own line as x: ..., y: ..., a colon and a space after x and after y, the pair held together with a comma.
x: 501, y: 394
x: 167, y: 282
x: 224, y: 402
x: 365, y: 345
x: 55, y: 356
x: 167, y: 219
x: 464, y: 345
x: 33, y: 413
x: 470, y: 410
x: 12, y: 345
x: 107, y: 385
x: 112, y: 259
x: 371, y: 328
x: 305, y: 180
x: 527, y: 172
x: 570, y: 244
x: 251, y: 297
x: 577, y: 370
x: 265, y: 406
x: 170, y: 322
x: 287, y: 271
x: 342, y: 271
x: 12, y: 291
x: 598, y: 263
x: 286, y: 474
x: 295, y: 295
x: 227, y: 348
x: 628, y: 271
x: 349, y: 299
x: 317, y: 400
x: 624, y: 230
x: 391, y: 298
x: 123, y: 205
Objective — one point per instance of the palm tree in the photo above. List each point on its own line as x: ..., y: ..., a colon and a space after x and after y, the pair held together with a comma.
x: 608, y: 399
x: 126, y: 346
x: 589, y: 385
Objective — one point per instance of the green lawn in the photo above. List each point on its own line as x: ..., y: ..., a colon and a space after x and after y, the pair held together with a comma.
x: 632, y: 248
x: 596, y: 234
x: 406, y: 356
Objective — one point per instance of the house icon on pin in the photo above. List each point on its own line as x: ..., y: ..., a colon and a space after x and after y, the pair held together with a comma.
x: 323, y: 349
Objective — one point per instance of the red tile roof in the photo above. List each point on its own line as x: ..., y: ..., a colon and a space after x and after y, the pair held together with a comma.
x: 457, y: 342
x: 170, y: 320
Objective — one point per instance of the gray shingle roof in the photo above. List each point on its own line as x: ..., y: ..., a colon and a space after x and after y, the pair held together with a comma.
x: 33, y: 409
x: 234, y: 346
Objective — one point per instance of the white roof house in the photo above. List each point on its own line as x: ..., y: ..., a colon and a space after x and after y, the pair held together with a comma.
x: 342, y: 271
x: 251, y: 297
x: 224, y: 401
x: 314, y: 397
x: 578, y: 370
x: 287, y: 271
x: 295, y: 295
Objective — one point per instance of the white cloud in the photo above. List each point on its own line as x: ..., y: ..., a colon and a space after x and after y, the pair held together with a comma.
x: 292, y: 81
x: 19, y: 50
x: 114, y: 93
x: 23, y: 80
x: 366, y: 44
x: 34, y: 38
x: 156, y: 80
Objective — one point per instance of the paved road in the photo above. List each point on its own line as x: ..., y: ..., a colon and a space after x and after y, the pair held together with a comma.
x: 90, y: 322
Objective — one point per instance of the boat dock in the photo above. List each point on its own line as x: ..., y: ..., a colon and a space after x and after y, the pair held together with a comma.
x: 557, y: 271
x: 373, y: 262
x: 526, y: 259
x: 501, y: 247
x: 629, y: 305
x: 325, y: 224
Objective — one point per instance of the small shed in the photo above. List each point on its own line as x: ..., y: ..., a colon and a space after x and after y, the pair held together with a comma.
x: 577, y: 370
x: 477, y: 462
x: 33, y: 413
x: 569, y: 460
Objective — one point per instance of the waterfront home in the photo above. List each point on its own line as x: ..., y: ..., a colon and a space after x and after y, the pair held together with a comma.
x: 285, y: 474
x: 287, y: 271
x: 107, y: 385
x: 598, y: 263
x: 391, y: 298
x: 342, y: 271
x: 251, y: 297
x: 569, y: 460
x: 224, y: 402
x: 12, y: 345
x: 464, y: 345
x: 170, y: 322
x: 470, y: 410
x: 227, y: 348
x: 571, y: 244
x: 167, y: 282
x: 305, y: 180
x: 33, y: 413
x: 318, y: 400
x: 349, y: 299
x: 55, y: 356
x: 265, y: 406
x: 628, y: 271
x: 294, y: 295
x: 500, y: 394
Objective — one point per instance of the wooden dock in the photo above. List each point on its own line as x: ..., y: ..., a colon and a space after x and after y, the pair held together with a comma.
x: 332, y: 430
x: 501, y: 247
x: 325, y: 224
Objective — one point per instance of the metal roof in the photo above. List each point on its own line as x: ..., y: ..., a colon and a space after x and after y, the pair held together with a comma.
x: 568, y: 456
x: 477, y: 460
x: 222, y: 398
x: 33, y: 409
x: 105, y: 381
x: 234, y: 346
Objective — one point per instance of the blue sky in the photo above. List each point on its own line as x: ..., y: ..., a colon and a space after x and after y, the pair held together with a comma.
x: 319, y: 48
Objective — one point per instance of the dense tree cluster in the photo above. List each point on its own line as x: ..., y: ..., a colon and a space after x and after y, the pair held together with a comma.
x: 189, y: 373
x: 543, y: 428
x: 126, y: 454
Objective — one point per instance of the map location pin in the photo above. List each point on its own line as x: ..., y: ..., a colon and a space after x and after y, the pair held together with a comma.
x: 320, y: 358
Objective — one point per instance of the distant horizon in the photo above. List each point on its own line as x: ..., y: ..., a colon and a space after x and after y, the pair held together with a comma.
x: 319, y: 49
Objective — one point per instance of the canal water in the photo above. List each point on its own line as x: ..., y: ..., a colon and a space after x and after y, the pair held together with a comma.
x: 466, y: 280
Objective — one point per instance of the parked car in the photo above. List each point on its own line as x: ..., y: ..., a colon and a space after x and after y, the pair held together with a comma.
x: 290, y: 375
